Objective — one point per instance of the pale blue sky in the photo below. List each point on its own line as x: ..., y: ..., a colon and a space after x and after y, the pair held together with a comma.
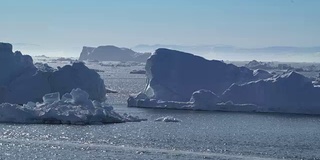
x: 64, y: 26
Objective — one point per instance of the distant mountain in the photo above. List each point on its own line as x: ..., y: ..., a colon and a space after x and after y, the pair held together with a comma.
x: 112, y: 53
x: 228, y: 52
x: 229, y: 49
x: 200, y: 48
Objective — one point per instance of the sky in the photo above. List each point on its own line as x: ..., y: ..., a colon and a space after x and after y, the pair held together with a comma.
x: 62, y: 27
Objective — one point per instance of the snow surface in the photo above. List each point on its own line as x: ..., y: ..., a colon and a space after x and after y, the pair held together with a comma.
x: 22, y: 81
x: 73, y: 108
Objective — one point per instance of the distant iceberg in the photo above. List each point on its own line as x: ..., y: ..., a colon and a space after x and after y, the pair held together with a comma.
x: 112, y: 53
x: 73, y: 108
x: 22, y: 81
x: 178, y: 80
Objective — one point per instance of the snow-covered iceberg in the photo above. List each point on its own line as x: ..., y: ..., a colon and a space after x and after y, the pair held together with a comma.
x: 174, y: 75
x: 72, y: 108
x: 178, y: 80
x: 22, y: 81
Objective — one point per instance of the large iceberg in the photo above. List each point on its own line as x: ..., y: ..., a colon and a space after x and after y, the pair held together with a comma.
x: 174, y: 75
x: 112, y: 53
x: 78, y: 75
x: 289, y: 92
x: 178, y: 80
x: 73, y: 108
x: 22, y: 81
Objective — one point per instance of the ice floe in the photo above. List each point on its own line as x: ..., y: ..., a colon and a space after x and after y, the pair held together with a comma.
x: 72, y: 108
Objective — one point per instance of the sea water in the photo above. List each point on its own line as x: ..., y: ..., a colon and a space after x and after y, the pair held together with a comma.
x: 199, y: 135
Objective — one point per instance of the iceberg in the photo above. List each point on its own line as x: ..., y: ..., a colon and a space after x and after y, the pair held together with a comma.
x: 78, y: 75
x: 178, y: 80
x: 289, y: 92
x: 254, y: 64
x: 112, y: 53
x: 22, y: 81
x: 73, y: 108
x: 173, y: 75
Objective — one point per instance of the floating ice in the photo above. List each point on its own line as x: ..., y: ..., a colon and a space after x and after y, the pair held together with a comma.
x: 112, y: 53
x: 22, y: 81
x: 178, y: 80
x: 167, y: 119
x: 289, y: 92
x: 174, y: 75
x: 201, y: 100
x: 51, y: 97
x: 72, y: 108
x: 138, y: 72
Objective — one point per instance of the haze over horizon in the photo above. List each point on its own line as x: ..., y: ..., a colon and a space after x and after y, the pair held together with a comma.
x: 61, y: 28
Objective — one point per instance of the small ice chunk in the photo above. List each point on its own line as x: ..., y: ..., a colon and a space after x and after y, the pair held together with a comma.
x: 167, y: 119
x: 66, y: 97
x: 51, y: 97
x: 79, y: 96
x: 141, y: 95
x: 31, y: 104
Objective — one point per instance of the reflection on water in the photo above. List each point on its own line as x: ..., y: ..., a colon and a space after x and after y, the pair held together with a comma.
x: 223, y: 135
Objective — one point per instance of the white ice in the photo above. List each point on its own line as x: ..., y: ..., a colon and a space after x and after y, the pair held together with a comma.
x: 73, y: 108
x: 22, y: 81
x: 179, y: 80
x: 167, y: 119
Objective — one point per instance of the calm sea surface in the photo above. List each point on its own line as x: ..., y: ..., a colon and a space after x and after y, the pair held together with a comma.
x: 199, y: 135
